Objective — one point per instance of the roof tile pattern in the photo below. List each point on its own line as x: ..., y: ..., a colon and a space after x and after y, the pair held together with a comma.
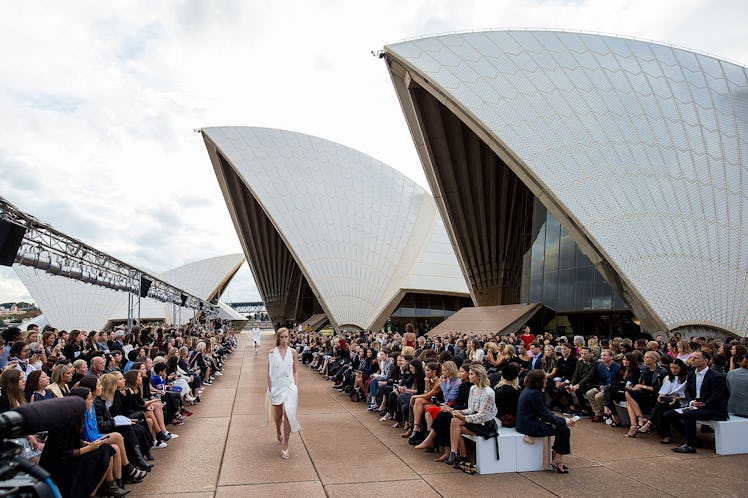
x: 359, y: 230
x: 643, y: 144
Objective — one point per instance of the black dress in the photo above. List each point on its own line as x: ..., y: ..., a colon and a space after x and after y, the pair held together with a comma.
x: 443, y: 420
x: 507, y: 398
x: 76, y: 476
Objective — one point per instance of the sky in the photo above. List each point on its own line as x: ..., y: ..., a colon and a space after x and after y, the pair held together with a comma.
x: 99, y: 100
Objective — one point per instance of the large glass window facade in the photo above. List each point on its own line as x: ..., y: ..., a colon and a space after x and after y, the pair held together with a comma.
x: 559, y: 275
x: 425, y: 311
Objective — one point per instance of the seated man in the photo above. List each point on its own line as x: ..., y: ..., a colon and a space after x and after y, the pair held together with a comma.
x: 706, y: 394
x: 584, y: 377
x: 606, y: 370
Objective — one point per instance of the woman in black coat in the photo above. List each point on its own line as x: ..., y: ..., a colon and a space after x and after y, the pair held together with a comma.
x: 77, y: 467
x: 534, y: 419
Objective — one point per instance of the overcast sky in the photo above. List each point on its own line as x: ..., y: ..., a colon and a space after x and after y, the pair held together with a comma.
x: 99, y: 99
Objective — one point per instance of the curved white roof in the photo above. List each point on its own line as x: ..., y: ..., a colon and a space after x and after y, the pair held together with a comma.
x: 206, y: 278
x: 640, y: 146
x: 70, y: 304
x: 361, y: 232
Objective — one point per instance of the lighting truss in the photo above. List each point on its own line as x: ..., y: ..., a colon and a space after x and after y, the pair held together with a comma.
x: 45, y: 248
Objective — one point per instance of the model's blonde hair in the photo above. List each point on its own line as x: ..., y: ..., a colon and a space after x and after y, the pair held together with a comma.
x: 278, y: 335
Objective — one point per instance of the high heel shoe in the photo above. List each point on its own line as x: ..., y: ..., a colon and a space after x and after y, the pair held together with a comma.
x: 453, y: 457
x: 386, y: 417
x: 407, y: 433
x: 645, y: 429
x: 632, y: 432
x: 285, y: 454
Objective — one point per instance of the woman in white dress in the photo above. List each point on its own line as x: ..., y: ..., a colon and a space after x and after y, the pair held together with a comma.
x: 256, y: 337
x: 284, y: 395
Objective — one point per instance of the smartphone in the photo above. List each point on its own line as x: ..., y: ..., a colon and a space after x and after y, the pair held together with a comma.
x: 105, y: 436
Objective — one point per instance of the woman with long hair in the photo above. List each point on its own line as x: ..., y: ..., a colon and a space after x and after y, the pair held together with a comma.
x: 480, y: 411
x: 439, y: 433
x: 134, y: 405
x: 104, y: 405
x: 641, y: 397
x: 282, y: 379
x: 12, y: 384
x: 91, y: 432
x: 672, y: 395
x: 79, y: 467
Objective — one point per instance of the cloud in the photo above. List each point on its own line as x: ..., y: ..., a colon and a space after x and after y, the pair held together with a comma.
x: 99, y: 100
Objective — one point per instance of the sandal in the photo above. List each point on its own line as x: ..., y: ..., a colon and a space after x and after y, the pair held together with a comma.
x: 645, y: 429
x: 285, y: 454
x: 614, y: 422
x: 407, y: 433
x: 561, y: 469
x: 633, y: 431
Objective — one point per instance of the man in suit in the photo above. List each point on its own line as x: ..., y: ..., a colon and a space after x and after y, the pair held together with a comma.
x: 706, y: 393
x: 536, y: 349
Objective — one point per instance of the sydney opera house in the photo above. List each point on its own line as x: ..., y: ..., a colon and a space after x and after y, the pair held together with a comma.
x: 69, y: 304
x: 331, y: 232
x: 601, y: 176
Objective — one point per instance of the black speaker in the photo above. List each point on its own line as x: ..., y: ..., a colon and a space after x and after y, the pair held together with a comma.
x: 184, y: 299
x: 11, y: 236
x: 145, y: 284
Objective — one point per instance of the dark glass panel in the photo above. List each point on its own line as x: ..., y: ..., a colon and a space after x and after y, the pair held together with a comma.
x: 536, y: 290
x: 568, y: 250
x: 583, y: 288
x: 550, y: 289
x: 602, y: 292
x: 552, y: 236
x: 566, y: 290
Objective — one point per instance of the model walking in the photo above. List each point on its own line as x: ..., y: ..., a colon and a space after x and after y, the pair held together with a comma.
x: 282, y: 390
x: 256, y: 338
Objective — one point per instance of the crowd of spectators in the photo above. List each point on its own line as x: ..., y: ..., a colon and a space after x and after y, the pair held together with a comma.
x: 136, y: 385
x: 436, y: 388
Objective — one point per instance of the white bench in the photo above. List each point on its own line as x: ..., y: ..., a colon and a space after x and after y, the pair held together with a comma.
x: 730, y: 436
x: 515, y: 455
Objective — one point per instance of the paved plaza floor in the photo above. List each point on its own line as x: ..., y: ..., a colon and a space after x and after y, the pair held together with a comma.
x: 343, y: 450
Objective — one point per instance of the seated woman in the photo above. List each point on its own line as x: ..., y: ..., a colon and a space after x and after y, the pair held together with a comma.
x: 62, y: 374
x: 134, y: 405
x: 641, y: 397
x: 79, y: 467
x: 401, y: 377
x: 628, y: 374
x: 419, y: 402
x: 671, y: 395
x: 116, y: 440
x: 190, y: 383
x: 366, y: 368
x: 449, y: 386
x: 534, y: 419
x: 480, y: 411
x: 12, y: 386
x: 439, y: 433
x: 405, y: 392
x: 137, y: 434
x: 36, y: 387
x: 507, y: 395
x: 523, y: 358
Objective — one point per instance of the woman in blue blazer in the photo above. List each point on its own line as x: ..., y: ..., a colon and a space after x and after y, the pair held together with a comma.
x: 535, y: 419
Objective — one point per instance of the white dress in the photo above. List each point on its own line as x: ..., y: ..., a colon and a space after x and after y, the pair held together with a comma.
x: 256, y: 335
x: 284, y: 390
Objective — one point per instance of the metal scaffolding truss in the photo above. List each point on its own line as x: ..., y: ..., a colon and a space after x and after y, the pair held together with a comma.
x: 45, y: 248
